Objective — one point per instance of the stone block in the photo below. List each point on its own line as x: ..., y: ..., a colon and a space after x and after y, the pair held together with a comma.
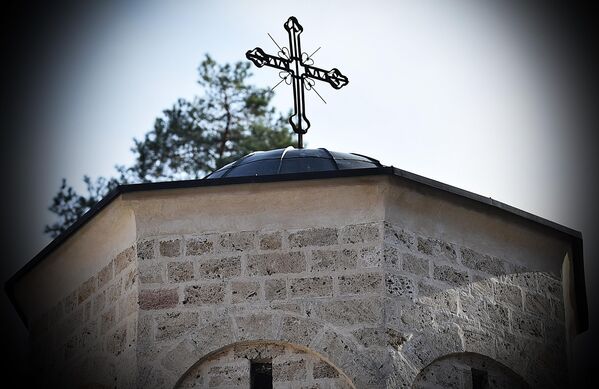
x: 370, y: 337
x: 70, y: 302
x: 151, y: 273
x: 415, y: 265
x: 158, y: 298
x: 370, y: 257
x: 107, y: 320
x: 351, y: 312
x: 116, y: 343
x: 437, y: 297
x: 171, y: 325
x: 180, y: 271
x: 123, y: 259
x: 550, y: 286
x: 289, y: 370
x: 170, y: 248
x: 128, y: 305
x: 145, y: 250
x: 182, y: 355
x: 360, y: 233
x: 258, y: 352
x: 245, y: 291
x: 557, y: 307
x: 362, y: 283
x: 332, y: 260
x: 508, y: 294
x: 527, y: 281
x: 275, y: 289
x: 423, y: 348
x: 219, y: 268
x: 322, y: 369
x: 236, y: 241
x: 204, y: 294
x: 232, y: 376
x: 497, y: 315
x: 255, y: 326
x: 481, y: 262
x: 479, y: 341
x: 129, y: 279
x: 195, y: 246
x: 311, y: 287
x: 86, y: 289
x: 398, y: 237
x: 276, y: 263
x: 473, y: 308
x: 450, y: 275
x: 524, y: 324
x: 105, y: 275
x: 537, y: 304
x: 299, y: 331
x: 416, y: 317
x: 400, y: 286
x: 391, y: 257
x: 313, y: 237
x: 271, y: 241
x: 436, y: 248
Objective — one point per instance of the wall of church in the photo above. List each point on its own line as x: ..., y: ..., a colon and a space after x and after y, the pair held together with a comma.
x: 89, y: 337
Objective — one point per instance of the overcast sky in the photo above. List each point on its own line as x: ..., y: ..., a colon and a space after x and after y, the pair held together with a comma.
x: 476, y: 95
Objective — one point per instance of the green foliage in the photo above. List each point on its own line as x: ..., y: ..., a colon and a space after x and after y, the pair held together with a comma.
x: 193, y: 138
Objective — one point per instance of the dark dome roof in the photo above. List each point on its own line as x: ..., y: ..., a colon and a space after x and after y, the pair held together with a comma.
x: 291, y: 160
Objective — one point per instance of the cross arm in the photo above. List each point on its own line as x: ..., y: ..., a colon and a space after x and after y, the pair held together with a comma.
x: 260, y: 58
x: 333, y: 76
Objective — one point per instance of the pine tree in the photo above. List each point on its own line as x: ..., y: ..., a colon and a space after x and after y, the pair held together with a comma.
x: 193, y: 138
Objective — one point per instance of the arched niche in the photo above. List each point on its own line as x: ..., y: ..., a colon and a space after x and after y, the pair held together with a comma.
x: 468, y: 371
x: 243, y: 364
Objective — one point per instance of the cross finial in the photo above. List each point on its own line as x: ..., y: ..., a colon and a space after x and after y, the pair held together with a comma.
x: 296, y: 69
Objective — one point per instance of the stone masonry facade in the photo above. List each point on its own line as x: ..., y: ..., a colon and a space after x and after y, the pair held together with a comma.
x: 372, y: 304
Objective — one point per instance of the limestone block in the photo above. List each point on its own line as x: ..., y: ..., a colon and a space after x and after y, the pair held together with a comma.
x: 550, y: 285
x: 198, y: 246
x: 213, y: 336
x: 527, y: 280
x: 322, y: 369
x: 236, y: 241
x: 123, y: 259
x: 171, y: 325
x: 219, y: 268
x: 158, y: 298
x: 105, y: 275
x: 299, y: 331
x: 331, y: 260
x: 288, y: 370
x: 400, y: 286
x: 350, y: 312
x: 245, y: 291
x: 416, y: 317
x: 360, y: 233
x: 397, y: 237
x: 255, y: 326
x: 524, y: 324
x: 230, y: 376
x: 311, y: 287
x: 170, y: 248
x: 415, y: 265
x: 107, y: 320
x: 436, y: 248
x: 508, y: 294
x: 150, y: 272
x: 370, y: 257
x: 117, y: 341
x: 86, y: 289
x: 145, y: 250
x: 436, y: 296
x: 450, y: 275
x: 128, y: 305
x: 182, y: 355
x: 537, y: 304
x: 313, y: 237
x: 423, y: 348
x: 276, y: 263
x: 497, y: 315
x: 361, y: 283
x: 180, y: 271
x: 203, y: 294
x: 271, y: 241
x: 258, y: 352
x: 481, y: 262
x: 275, y: 289
x: 392, y: 257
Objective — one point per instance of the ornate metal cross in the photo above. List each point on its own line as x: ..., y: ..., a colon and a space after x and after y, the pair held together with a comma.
x: 296, y: 68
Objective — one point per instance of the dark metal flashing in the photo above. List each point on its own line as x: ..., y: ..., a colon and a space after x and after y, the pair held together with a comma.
x: 574, y: 236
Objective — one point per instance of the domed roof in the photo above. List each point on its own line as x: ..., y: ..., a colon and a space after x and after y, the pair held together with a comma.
x: 291, y: 160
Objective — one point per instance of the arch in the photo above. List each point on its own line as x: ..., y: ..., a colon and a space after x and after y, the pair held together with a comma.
x: 290, y: 362
x: 462, y: 370
x: 307, y: 334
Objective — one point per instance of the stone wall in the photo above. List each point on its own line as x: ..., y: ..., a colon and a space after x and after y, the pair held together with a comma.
x: 89, y: 337
x: 376, y: 302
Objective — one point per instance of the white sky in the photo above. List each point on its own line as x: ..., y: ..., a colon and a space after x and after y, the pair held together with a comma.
x: 458, y: 91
